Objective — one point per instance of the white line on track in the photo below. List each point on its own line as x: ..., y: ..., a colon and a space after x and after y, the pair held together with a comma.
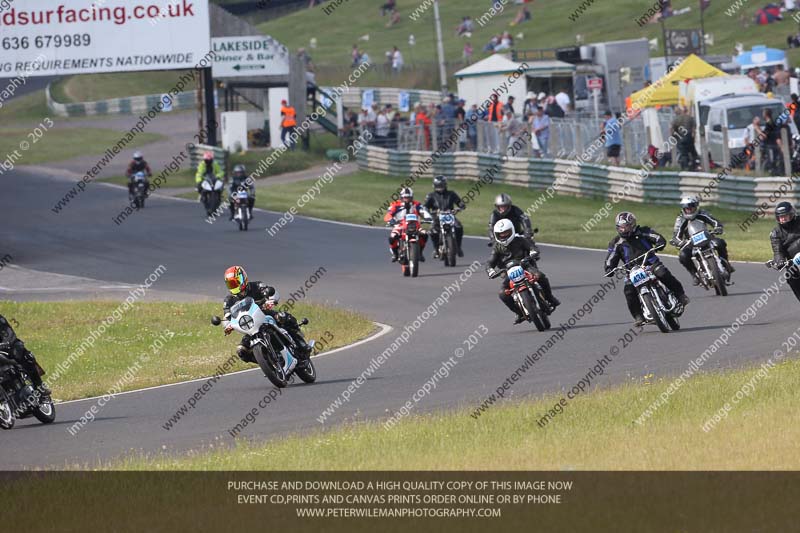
x: 384, y: 329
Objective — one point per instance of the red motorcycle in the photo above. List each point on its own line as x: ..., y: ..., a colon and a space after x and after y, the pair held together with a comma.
x: 409, y: 245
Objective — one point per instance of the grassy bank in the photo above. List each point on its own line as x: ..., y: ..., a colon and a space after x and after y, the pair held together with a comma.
x: 594, y: 432
x: 93, y: 87
x: 54, y: 330
x: 60, y: 144
x: 355, y: 197
x: 288, y: 162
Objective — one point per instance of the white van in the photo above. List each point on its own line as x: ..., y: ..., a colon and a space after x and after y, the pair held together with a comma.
x: 736, y: 113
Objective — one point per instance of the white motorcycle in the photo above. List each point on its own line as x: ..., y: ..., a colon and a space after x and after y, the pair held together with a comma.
x: 211, y: 193
x: 272, y: 345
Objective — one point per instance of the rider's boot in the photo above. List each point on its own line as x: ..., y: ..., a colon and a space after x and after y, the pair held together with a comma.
x: 639, y: 321
x: 683, y: 299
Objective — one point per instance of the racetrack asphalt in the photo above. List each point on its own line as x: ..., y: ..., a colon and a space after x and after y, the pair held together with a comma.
x: 83, y: 241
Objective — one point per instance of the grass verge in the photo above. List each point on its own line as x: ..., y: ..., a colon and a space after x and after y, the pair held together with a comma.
x: 54, y: 330
x: 559, y: 220
x: 594, y: 432
x: 59, y: 144
x: 93, y: 87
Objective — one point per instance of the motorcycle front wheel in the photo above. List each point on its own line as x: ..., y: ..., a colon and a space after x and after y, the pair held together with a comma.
x: 719, y: 281
x: 45, y: 412
x: 307, y: 374
x: 450, y: 250
x: 413, y: 259
x: 532, y: 310
x: 270, y: 365
x: 7, y: 418
x: 656, y: 313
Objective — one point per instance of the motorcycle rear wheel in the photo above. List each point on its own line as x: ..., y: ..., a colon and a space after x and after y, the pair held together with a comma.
x: 268, y: 361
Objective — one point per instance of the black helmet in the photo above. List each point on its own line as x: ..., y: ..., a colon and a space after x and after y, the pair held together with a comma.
x: 785, y: 213
x: 502, y: 203
x: 439, y: 183
x: 239, y: 171
x: 626, y: 224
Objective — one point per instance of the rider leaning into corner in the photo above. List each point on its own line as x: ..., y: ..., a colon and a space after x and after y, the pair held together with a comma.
x: 137, y: 164
x: 442, y: 199
x: 690, y: 210
x: 397, y: 211
x: 634, y: 241
x: 239, y: 179
x: 16, y: 349
x: 207, y: 165
x: 509, y: 245
x: 785, y: 240
x: 504, y: 208
x: 266, y: 298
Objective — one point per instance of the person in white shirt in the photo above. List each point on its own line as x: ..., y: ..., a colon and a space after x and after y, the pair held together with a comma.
x: 397, y: 60
x: 382, y: 126
x: 563, y: 101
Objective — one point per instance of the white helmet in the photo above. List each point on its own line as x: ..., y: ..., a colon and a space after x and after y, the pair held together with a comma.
x: 504, y: 231
x: 689, y: 206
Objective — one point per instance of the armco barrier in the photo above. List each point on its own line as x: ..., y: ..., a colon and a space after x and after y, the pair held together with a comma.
x: 592, y: 180
x: 118, y: 106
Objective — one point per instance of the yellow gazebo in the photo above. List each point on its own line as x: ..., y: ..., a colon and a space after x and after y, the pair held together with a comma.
x: 665, y: 90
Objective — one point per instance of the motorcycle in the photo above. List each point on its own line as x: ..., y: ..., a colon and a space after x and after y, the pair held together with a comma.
x: 528, y: 294
x: 409, y: 248
x: 18, y: 398
x: 211, y: 193
x: 448, y: 243
x: 272, y: 345
x: 241, y: 211
x: 659, y: 305
x: 793, y: 263
x: 139, y: 190
x: 712, y: 270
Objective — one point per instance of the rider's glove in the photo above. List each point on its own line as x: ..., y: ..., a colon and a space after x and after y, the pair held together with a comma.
x: 491, y: 272
x: 228, y: 329
x: 392, y: 221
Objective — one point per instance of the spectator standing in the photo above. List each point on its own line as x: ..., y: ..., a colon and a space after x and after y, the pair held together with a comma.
x: 514, y: 128
x: 613, y: 137
x: 461, y: 116
x: 509, y: 105
x: 529, y: 106
x: 683, y: 131
x: 781, y: 76
x: 424, y: 122
x: 472, y: 128
x: 382, y: 128
x: 494, y: 117
x: 288, y: 124
x: 540, y: 126
x: 563, y: 100
x: 772, y: 142
x: 467, y: 53
x: 552, y: 109
x: 752, y: 134
x: 397, y: 60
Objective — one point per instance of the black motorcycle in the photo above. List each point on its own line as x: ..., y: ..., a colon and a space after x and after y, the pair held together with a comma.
x: 18, y: 398
x: 524, y: 287
x: 712, y: 270
x: 139, y: 193
x: 448, y: 242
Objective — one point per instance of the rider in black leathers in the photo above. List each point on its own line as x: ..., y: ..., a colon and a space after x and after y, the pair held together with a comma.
x: 504, y: 208
x: 267, y: 298
x: 16, y: 349
x: 785, y: 241
x: 240, y: 179
x: 519, y: 248
x: 690, y: 210
x: 444, y: 200
x: 631, y: 242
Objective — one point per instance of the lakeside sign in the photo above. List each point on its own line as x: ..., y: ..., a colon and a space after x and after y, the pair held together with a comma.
x: 256, y: 55
x: 53, y: 37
